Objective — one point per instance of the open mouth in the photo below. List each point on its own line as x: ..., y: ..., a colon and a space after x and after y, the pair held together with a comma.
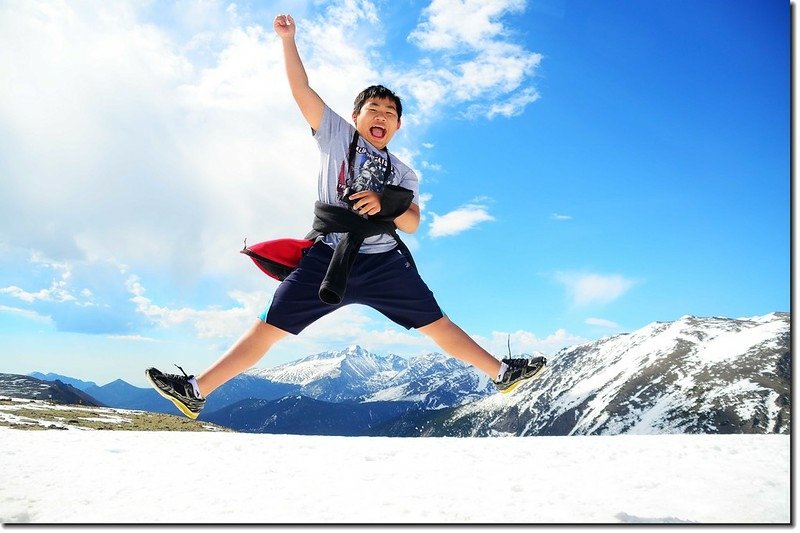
x: 377, y: 132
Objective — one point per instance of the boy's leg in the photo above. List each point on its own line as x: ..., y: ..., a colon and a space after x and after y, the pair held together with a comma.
x: 388, y: 283
x: 245, y: 353
x: 294, y: 306
x: 454, y: 340
x: 183, y: 390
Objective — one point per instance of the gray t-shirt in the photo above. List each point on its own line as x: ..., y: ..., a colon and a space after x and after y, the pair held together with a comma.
x: 334, y: 137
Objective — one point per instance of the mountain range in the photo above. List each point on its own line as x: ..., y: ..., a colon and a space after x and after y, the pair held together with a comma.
x: 693, y: 375
x: 431, y: 381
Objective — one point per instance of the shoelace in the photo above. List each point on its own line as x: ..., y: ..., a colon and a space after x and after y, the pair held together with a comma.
x: 176, y: 377
x: 184, y: 373
x: 512, y: 361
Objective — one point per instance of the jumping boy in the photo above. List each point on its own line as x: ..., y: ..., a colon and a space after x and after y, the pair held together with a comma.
x: 358, y: 175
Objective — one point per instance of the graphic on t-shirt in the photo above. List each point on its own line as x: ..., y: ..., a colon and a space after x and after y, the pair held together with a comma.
x: 369, y: 173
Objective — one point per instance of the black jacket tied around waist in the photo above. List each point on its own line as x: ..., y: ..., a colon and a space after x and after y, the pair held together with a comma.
x: 328, y: 218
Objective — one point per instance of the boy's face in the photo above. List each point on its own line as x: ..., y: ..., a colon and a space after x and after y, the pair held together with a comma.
x: 377, y: 121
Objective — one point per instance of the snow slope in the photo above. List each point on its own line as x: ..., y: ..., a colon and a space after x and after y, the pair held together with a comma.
x: 693, y: 375
x: 169, y: 477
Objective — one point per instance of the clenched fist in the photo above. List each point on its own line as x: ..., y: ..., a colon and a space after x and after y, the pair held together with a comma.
x: 284, y: 26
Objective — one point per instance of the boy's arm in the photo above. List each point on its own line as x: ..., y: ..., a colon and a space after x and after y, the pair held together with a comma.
x: 408, y: 221
x: 369, y: 203
x: 309, y: 102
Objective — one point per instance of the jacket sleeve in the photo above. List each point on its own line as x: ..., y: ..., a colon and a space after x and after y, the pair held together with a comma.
x: 395, y: 201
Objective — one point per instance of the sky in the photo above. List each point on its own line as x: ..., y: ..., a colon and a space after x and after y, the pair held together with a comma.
x: 586, y: 168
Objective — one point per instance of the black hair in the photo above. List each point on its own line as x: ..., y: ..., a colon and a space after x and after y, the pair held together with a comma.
x: 376, y: 91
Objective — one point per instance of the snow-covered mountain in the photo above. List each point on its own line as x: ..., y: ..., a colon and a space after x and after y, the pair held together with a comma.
x: 435, y: 381
x: 694, y: 375
x: 355, y: 374
x: 27, y: 387
x: 334, y: 376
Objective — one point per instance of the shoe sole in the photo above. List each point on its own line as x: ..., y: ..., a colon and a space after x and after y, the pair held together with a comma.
x: 183, y: 409
x: 526, y: 380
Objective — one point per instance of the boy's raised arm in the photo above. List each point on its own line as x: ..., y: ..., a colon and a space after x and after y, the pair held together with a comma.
x: 309, y: 102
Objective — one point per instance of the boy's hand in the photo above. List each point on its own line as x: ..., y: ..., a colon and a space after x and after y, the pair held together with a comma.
x: 368, y: 202
x: 284, y: 26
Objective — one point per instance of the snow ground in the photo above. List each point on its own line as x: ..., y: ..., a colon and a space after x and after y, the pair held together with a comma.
x: 173, y: 477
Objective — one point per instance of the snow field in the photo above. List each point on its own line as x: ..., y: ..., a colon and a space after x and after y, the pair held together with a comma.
x: 172, y: 477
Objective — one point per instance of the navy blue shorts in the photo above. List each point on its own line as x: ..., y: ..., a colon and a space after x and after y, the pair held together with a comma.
x: 386, y: 282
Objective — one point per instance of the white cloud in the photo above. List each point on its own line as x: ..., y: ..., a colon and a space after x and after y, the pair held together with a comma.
x: 85, y: 296
x: 559, y: 216
x: 59, y: 289
x: 212, y: 322
x: 602, y: 322
x: 472, y: 60
x: 55, y: 291
x: 510, y: 107
x: 459, y: 220
x: 146, y: 157
x: 449, y: 24
x: 586, y: 289
x: 432, y: 166
x: 526, y: 342
x: 26, y: 313
x: 64, y: 288
x: 424, y: 198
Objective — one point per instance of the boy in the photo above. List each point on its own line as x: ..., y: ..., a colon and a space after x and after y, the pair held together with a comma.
x: 358, y: 178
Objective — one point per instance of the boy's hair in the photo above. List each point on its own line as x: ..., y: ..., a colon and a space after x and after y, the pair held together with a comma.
x: 376, y: 91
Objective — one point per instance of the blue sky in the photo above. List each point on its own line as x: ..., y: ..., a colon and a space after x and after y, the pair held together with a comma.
x: 586, y: 168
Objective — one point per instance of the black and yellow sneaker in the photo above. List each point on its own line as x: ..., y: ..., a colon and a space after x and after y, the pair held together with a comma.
x: 519, y: 371
x: 178, y: 390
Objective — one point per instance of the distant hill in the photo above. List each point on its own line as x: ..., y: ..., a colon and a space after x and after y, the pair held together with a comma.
x: 123, y: 395
x: 301, y: 415
x: 27, y: 387
x: 248, y: 387
x: 77, y: 383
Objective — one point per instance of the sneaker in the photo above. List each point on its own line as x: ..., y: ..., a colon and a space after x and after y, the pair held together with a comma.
x: 519, y: 371
x: 176, y: 389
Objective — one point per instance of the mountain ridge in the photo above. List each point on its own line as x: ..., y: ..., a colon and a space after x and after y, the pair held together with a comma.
x: 691, y: 375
